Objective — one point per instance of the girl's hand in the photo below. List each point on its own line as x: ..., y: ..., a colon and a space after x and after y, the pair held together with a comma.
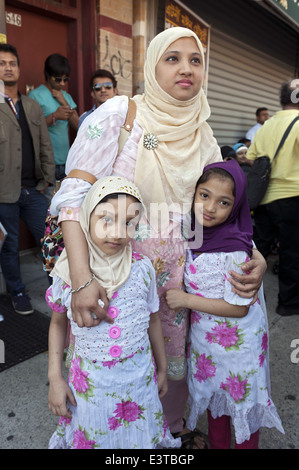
x: 175, y: 298
x: 85, y: 303
x: 162, y: 384
x: 59, y: 393
x: 247, y: 285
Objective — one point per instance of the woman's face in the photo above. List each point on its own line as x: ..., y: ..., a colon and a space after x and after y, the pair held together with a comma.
x: 179, y: 71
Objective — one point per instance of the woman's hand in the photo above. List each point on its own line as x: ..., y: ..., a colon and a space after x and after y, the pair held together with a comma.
x: 175, y: 298
x: 59, y: 393
x: 247, y: 285
x: 85, y: 303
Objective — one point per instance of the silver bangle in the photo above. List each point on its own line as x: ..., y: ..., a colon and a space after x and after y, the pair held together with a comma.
x: 85, y: 285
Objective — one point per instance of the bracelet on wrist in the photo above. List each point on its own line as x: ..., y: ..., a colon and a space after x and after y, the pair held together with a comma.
x: 53, y: 120
x: 85, y: 285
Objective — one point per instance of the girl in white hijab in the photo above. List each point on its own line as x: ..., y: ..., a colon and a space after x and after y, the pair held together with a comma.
x: 167, y: 149
x: 111, y: 400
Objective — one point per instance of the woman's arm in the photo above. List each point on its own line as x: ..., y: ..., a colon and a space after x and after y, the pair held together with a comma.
x: 247, y: 285
x: 157, y: 343
x: 59, y: 390
x: 85, y: 301
x: 96, y: 156
x: 177, y: 298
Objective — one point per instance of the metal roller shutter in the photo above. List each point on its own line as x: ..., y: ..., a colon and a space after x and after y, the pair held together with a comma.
x: 241, y: 79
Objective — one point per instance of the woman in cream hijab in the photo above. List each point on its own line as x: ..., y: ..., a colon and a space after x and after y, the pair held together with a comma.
x: 174, y: 108
x: 165, y: 154
x: 177, y: 117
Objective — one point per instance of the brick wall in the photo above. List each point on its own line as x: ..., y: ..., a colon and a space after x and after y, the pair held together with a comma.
x: 115, y: 41
x: 139, y: 44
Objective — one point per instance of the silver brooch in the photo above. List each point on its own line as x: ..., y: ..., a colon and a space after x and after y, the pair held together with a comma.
x: 150, y: 141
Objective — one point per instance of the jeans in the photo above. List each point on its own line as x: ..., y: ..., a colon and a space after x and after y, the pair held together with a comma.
x: 59, y: 172
x: 59, y: 175
x: 32, y: 209
x: 279, y: 219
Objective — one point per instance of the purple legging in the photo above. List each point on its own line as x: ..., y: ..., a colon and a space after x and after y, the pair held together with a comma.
x: 174, y: 404
x: 220, y: 434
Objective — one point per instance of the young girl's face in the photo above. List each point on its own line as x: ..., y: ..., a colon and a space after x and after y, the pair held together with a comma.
x: 216, y: 201
x: 241, y: 156
x: 179, y: 71
x: 113, y: 223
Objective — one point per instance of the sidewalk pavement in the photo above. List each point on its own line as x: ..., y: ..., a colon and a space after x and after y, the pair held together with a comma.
x: 26, y: 422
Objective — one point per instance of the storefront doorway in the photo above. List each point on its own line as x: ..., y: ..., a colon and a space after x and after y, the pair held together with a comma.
x: 37, y: 29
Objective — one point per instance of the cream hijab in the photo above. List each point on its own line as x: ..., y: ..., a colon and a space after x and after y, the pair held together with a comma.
x: 168, y: 173
x: 110, y: 271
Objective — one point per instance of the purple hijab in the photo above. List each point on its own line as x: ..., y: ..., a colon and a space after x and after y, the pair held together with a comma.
x: 235, y: 234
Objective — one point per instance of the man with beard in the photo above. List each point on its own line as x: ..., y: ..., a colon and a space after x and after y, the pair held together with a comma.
x: 27, y: 167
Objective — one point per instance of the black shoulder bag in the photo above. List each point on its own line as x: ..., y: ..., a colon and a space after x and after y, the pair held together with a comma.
x: 259, y: 176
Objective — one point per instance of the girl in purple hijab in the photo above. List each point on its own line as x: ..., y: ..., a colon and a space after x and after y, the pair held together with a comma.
x: 235, y: 232
x: 228, y: 365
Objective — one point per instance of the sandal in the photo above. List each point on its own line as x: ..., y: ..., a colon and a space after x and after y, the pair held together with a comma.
x: 188, y: 439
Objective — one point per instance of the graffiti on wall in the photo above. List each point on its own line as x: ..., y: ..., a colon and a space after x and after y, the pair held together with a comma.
x: 119, y: 65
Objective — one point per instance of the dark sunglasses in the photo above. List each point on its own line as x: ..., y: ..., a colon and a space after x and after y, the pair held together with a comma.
x: 59, y: 79
x: 98, y: 86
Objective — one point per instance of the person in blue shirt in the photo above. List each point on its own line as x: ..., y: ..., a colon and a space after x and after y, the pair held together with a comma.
x: 103, y: 86
x: 58, y: 107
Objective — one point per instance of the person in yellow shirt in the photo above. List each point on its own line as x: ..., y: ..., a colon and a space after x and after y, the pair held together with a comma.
x: 277, y: 215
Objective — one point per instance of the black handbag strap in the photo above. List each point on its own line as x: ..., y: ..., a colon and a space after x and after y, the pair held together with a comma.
x: 285, y: 135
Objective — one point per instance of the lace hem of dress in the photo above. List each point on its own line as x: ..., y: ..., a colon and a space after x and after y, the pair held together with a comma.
x: 245, y: 421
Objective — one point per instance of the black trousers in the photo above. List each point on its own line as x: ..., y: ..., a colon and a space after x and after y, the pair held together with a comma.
x: 280, y: 220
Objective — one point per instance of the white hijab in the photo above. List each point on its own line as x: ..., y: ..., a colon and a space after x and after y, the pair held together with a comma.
x: 110, y: 271
x: 168, y: 173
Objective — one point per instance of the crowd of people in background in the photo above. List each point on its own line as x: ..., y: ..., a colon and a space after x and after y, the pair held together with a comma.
x: 238, y: 150
x: 275, y: 228
x: 34, y: 159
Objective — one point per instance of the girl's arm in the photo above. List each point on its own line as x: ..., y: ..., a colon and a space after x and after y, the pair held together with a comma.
x: 85, y: 301
x: 177, y: 298
x: 157, y: 343
x: 59, y: 390
x: 247, y: 285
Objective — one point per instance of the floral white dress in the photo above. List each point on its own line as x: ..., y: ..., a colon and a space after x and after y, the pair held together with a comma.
x: 112, y: 374
x: 228, y: 364
x: 95, y: 150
